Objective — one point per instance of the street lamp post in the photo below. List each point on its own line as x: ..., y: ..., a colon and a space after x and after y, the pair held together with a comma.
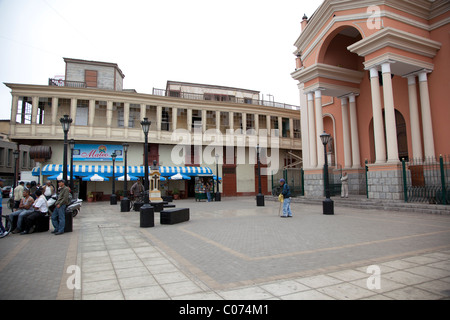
x: 72, y: 146
x: 260, y: 196
x: 113, y: 198
x: 16, y: 156
x: 328, y: 205
x: 125, y: 203
x: 65, y: 122
x: 218, y: 197
x: 147, y: 218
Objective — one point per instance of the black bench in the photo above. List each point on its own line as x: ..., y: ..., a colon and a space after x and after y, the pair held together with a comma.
x: 173, y: 216
x: 42, y: 223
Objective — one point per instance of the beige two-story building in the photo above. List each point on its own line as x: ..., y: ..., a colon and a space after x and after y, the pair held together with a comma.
x: 215, y: 129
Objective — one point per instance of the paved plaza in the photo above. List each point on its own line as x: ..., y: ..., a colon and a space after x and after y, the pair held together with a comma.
x: 233, y: 250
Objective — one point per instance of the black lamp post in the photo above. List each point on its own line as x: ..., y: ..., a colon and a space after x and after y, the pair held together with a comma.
x: 72, y: 146
x: 146, y: 212
x: 328, y: 205
x: 65, y: 122
x: 218, y: 197
x: 16, y: 156
x: 113, y: 197
x: 125, y: 203
x: 260, y: 196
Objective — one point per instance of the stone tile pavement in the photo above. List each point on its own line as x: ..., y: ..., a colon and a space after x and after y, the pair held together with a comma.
x: 233, y: 250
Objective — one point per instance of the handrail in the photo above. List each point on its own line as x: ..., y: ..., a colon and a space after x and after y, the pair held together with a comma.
x: 197, y: 96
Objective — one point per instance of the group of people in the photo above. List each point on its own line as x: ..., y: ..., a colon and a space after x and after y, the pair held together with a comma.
x: 31, y: 203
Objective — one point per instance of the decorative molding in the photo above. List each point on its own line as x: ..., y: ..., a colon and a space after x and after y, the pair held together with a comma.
x: 390, y: 37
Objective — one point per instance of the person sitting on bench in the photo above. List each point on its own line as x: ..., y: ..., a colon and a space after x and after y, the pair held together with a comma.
x: 40, y: 209
x: 25, y: 209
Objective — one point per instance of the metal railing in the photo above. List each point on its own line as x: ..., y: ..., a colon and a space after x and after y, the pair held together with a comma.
x: 222, y: 98
x: 65, y: 83
x: 427, y: 180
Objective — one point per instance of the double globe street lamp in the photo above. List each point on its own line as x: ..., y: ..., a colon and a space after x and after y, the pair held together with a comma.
x: 147, y: 219
x: 65, y: 122
x: 328, y: 205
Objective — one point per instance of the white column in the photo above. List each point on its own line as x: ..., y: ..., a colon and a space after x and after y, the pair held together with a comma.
x: 427, y: 124
x: 389, y: 113
x: 304, y: 127
x: 91, y: 117
x: 319, y: 128
x: 158, y: 121
x: 291, y: 128
x: 174, y: 118
x: 414, y: 118
x: 204, y: 120
x: 346, y: 133
x: 380, y: 146
x: 109, y: 114
x: 35, y: 105
x: 126, y: 118
x: 356, y: 158
x: 312, y: 131
x: 55, y: 101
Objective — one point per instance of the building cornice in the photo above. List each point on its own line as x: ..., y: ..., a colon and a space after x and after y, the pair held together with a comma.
x: 141, y: 98
x: 390, y: 37
x: 321, y: 70
x: 424, y: 9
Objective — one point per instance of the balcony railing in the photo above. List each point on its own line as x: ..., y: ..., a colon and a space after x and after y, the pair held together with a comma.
x: 65, y: 83
x: 232, y: 99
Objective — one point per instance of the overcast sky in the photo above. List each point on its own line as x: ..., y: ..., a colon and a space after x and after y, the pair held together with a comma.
x: 238, y: 43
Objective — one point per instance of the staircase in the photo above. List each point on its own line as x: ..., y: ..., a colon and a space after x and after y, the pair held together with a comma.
x: 361, y: 202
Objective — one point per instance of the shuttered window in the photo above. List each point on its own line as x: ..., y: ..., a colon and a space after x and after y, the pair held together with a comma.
x: 90, y: 77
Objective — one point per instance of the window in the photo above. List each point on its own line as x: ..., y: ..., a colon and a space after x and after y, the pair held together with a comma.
x: 175, y: 94
x: 165, y: 119
x: 250, y: 121
x: 24, y: 109
x: 196, y: 119
x: 90, y: 77
x: 224, y: 121
x: 297, y: 130
x: 181, y: 118
x: 2, y: 156
x: 82, y: 113
x: 44, y: 107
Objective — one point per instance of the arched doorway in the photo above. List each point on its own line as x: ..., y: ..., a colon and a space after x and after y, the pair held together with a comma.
x: 402, y: 140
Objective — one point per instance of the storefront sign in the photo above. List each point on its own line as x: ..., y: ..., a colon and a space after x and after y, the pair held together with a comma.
x: 97, y: 152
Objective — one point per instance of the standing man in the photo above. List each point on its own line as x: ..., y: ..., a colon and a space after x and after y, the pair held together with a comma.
x: 59, y: 214
x: 3, y: 231
x: 344, y: 191
x: 286, y: 192
x: 137, y: 189
x: 18, y: 194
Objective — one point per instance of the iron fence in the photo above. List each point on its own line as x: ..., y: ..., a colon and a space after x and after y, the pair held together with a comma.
x: 197, y: 96
x: 427, y: 180
x: 294, y: 178
x: 65, y: 83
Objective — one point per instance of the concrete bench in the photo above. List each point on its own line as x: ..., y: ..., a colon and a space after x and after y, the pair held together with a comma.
x: 173, y: 216
x: 42, y: 223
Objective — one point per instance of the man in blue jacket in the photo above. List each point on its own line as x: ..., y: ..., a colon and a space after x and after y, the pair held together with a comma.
x: 286, y: 199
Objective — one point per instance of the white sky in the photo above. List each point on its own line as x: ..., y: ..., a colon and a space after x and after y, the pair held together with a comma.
x: 246, y: 44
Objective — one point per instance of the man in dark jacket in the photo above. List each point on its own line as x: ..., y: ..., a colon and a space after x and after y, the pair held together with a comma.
x: 286, y: 192
x: 59, y: 214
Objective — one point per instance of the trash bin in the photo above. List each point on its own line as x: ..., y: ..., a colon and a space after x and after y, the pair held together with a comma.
x: 69, y: 222
x: 147, y: 216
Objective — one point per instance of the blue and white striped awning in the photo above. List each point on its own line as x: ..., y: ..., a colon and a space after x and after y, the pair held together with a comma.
x: 107, y: 171
x: 189, y: 171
